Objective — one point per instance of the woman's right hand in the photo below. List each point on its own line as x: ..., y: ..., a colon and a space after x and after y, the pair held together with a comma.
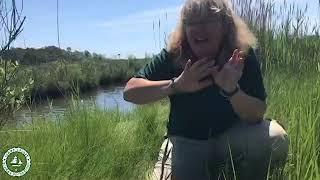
x: 189, y: 79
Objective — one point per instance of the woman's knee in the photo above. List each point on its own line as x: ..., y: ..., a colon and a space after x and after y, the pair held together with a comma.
x: 266, y: 141
x: 279, y: 143
x: 273, y: 146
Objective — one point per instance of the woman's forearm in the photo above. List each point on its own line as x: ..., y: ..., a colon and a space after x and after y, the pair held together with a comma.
x: 143, y: 91
x: 249, y: 108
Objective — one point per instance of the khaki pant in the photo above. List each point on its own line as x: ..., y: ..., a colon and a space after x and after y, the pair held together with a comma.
x: 247, y: 151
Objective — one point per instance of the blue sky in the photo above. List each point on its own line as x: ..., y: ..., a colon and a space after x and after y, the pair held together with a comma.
x: 107, y: 27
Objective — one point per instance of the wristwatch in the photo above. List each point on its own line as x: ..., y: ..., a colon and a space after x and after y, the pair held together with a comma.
x: 172, y: 84
x: 228, y: 95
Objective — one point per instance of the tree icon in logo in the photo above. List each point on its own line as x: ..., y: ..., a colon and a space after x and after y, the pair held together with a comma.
x: 16, y: 162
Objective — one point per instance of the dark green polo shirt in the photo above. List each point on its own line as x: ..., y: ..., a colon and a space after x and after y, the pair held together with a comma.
x: 204, y: 113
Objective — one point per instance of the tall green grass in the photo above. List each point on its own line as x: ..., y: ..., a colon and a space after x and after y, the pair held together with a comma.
x: 56, y: 79
x: 295, y: 101
x: 288, y: 40
x: 92, y: 144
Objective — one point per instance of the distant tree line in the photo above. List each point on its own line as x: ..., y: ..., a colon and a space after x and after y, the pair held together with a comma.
x: 33, y: 56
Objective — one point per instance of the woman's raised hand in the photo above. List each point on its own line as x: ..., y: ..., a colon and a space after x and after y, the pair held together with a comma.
x: 227, y: 78
x: 189, y: 79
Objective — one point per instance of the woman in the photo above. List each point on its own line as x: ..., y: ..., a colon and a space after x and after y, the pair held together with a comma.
x: 217, y: 98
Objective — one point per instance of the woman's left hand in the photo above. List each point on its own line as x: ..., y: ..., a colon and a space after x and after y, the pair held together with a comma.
x: 227, y: 78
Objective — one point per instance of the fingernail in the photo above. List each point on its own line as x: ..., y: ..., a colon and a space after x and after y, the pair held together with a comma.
x: 235, y: 51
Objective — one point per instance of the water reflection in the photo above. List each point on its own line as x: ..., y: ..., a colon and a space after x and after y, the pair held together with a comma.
x: 104, y: 98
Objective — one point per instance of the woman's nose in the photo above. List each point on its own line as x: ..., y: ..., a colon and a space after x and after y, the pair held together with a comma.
x: 200, y: 30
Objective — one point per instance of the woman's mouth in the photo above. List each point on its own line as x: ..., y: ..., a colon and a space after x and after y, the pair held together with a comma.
x: 201, y: 40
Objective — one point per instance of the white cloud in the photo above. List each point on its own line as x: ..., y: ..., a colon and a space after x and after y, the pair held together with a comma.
x: 143, y: 18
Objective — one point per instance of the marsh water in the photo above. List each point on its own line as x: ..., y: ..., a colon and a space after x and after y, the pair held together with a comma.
x: 104, y: 98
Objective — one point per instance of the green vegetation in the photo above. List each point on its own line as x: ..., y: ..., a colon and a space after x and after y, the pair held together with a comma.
x: 92, y: 144
x: 295, y: 101
x: 14, y: 86
x: 56, y: 71
x: 51, y: 75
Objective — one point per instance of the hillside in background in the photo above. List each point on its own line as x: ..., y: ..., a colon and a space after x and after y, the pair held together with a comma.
x: 34, y: 56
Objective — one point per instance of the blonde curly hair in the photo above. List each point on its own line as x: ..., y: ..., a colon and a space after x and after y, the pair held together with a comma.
x: 236, y: 33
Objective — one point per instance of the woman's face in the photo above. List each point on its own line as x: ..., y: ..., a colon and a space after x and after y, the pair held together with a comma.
x: 204, y: 37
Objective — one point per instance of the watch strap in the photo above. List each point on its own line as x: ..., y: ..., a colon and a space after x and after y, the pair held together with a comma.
x: 229, y: 94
